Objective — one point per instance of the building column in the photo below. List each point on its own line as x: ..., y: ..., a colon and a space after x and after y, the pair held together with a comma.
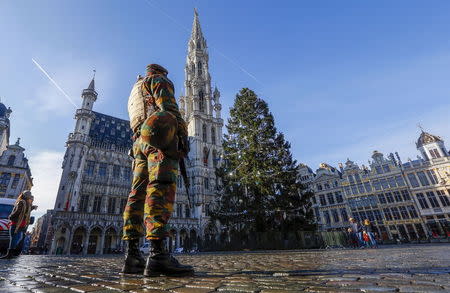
x: 53, y: 249
x: 86, y: 243
x: 177, y: 242
x: 68, y: 245
x: 102, y: 242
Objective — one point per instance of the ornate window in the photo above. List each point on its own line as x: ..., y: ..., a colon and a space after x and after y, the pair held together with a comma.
x: 215, y: 159
x: 199, y: 68
x: 15, y: 181
x: 213, y: 135
x: 83, y: 204
x: 90, y: 168
x: 204, y: 133
x: 102, y: 169
x: 116, y: 171
x: 111, y: 205
x: 97, y: 204
x: 205, y: 156
x: 201, y: 101
x: 4, y: 181
x: 179, y: 211
x: 11, y: 160
x: 435, y: 153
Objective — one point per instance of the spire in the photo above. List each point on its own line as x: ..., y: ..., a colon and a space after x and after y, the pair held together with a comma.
x: 92, y: 84
x: 196, y: 29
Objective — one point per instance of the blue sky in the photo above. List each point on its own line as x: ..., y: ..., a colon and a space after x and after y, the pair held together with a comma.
x: 342, y: 78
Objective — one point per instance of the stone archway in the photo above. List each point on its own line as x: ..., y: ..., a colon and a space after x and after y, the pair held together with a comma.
x: 193, y: 240
x: 94, y: 244
x: 111, y: 242
x: 184, y: 239
x: 62, y: 236
x: 60, y: 243
x: 172, y: 240
x: 78, y: 240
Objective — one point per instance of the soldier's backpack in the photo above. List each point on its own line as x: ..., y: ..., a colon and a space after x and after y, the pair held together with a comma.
x: 138, y: 110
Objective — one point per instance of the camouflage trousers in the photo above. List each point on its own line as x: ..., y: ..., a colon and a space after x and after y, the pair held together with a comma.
x: 150, y: 202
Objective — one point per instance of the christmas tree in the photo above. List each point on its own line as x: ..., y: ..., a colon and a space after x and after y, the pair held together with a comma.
x: 259, y: 190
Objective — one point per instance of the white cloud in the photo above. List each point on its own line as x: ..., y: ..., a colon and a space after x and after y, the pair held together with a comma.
x: 46, y: 170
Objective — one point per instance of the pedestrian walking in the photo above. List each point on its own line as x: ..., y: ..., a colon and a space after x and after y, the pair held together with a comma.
x: 357, y: 230
x: 370, y: 231
x: 20, y: 219
x: 160, y: 141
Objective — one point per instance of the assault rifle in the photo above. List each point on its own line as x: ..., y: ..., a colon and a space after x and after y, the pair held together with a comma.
x: 184, y: 146
x: 186, y: 181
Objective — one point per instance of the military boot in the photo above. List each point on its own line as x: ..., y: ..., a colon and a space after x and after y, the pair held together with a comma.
x: 160, y: 262
x: 134, y: 262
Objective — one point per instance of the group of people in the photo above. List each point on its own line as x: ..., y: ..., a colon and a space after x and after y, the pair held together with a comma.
x: 361, y: 235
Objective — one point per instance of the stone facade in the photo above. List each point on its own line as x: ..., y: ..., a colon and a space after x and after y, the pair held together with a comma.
x: 96, y: 176
x: 407, y: 201
x: 429, y: 181
x: 15, y: 173
x: 329, y: 199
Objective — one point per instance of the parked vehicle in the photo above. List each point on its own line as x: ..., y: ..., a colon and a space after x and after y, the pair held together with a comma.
x: 6, y: 207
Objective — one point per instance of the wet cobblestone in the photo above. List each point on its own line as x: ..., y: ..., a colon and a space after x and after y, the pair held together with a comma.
x: 415, y: 268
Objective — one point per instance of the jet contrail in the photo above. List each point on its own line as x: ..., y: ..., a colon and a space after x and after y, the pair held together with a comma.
x: 54, y: 83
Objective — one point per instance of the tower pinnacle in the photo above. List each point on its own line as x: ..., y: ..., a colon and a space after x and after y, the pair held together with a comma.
x: 196, y: 34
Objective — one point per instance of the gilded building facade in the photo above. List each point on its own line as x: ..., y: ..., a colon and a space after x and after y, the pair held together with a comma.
x: 406, y: 201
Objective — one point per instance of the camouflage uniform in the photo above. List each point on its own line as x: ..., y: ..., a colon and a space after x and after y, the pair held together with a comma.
x: 155, y: 166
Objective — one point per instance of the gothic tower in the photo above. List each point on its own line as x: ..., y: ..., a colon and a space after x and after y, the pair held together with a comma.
x: 76, y: 148
x: 201, y: 109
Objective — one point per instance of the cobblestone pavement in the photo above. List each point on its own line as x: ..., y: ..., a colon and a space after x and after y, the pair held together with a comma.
x: 415, y: 268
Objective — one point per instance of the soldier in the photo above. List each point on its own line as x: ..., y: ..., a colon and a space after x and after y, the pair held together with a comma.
x: 159, y: 143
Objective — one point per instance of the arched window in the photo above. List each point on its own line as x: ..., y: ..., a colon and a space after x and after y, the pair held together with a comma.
x: 215, y: 159
x: 199, y: 45
x: 11, y: 160
x: 205, y: 156
x: 204, y: 133
x: 201, y: 101
x: 199, y: 68
x: 213, y: 135
x: 193, y: 68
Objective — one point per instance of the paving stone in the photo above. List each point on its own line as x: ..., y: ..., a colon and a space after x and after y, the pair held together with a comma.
x: 51, y: 290
x: 391, y: 268
x: 85, y: 288
x: 247, y: 289
x: 278, y: 291
x: 148, y: 291
x: 191, y: 290
x: 378, y: 289
x: 420, y: 289
x: 204, y: 285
